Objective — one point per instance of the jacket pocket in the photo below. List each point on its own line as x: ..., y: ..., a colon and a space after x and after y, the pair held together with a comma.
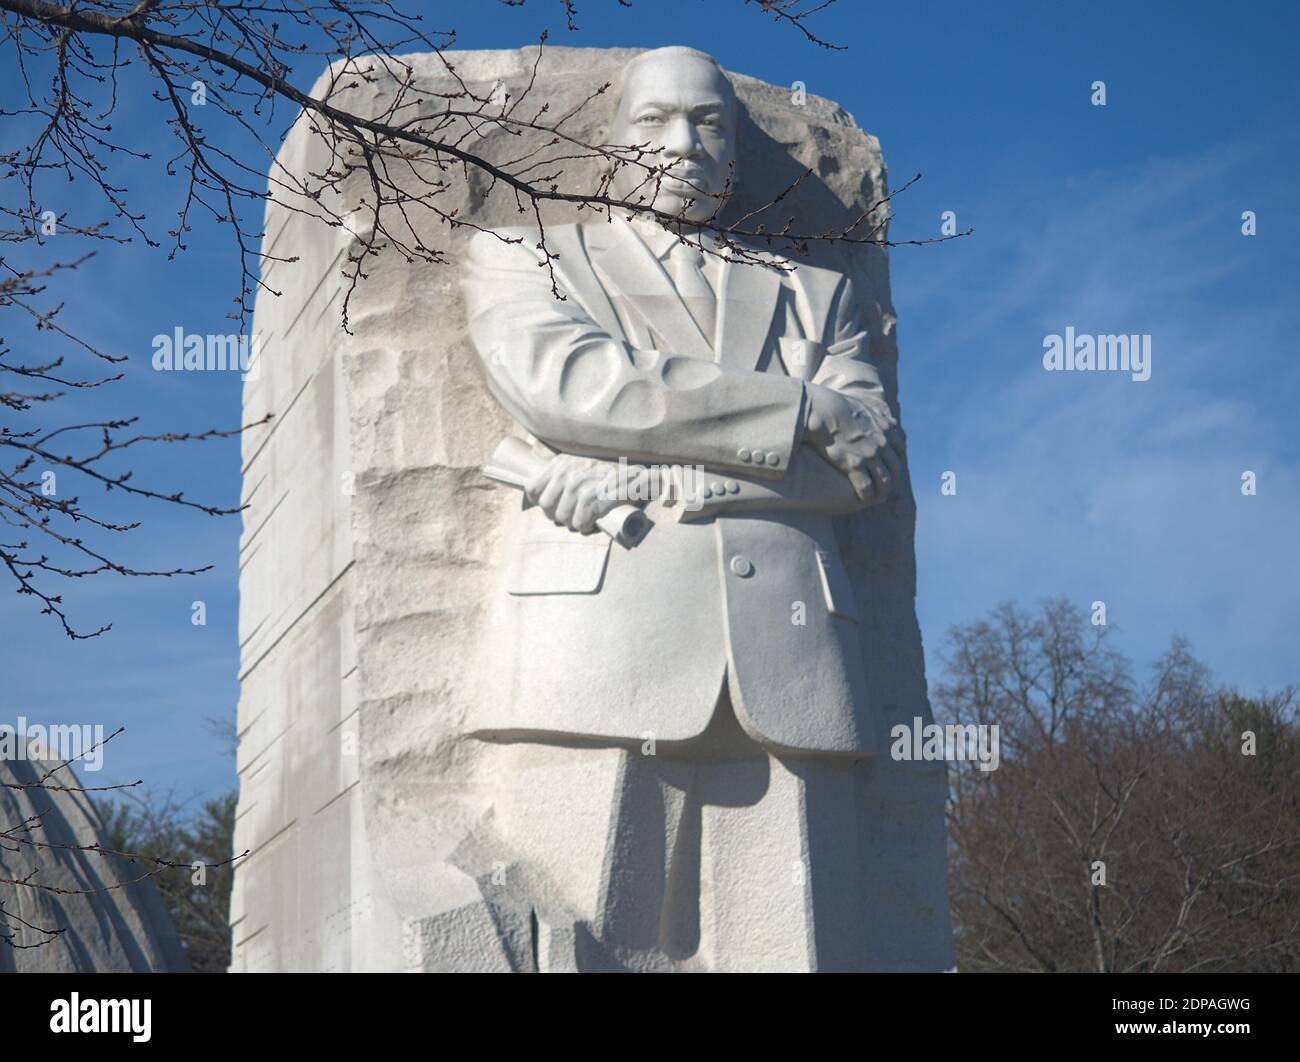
x: 836, y: 586
x: 574, y: 565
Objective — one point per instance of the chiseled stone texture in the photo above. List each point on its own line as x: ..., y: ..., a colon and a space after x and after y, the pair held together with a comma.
x: 371, y: 537
x: 119, y: 925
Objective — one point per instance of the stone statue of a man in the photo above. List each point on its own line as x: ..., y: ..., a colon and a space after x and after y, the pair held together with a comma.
x: 689, y: 717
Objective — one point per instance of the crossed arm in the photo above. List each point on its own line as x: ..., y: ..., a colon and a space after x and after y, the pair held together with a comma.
x: 593, y: 396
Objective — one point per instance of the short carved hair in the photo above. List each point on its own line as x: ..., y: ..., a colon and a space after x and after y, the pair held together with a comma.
x: 680, y: 50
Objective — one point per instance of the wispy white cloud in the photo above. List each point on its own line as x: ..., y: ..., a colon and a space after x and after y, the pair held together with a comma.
x: 1090, y: 484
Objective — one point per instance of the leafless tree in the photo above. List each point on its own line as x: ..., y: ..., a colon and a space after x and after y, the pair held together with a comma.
x: 144, y: 841
x: 1130, y: 827
x: 159, y: 826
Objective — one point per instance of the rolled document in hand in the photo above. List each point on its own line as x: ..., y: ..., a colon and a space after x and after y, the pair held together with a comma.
x: 517, y: 464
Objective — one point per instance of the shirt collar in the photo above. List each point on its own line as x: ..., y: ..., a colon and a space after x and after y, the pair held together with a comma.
x: 657, y: 238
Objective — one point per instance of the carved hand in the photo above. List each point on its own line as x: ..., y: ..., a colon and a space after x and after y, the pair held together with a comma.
x: 575, y: 492
x: 863, y: 442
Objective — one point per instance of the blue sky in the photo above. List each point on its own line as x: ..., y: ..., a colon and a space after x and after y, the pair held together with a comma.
x: 1117, y: 219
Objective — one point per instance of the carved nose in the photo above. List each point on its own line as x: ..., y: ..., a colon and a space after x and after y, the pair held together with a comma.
x: 680, y: 140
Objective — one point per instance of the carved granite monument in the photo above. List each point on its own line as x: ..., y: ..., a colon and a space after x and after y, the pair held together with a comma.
x: 628, y: 713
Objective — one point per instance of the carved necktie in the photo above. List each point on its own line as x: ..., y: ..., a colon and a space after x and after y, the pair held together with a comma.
x: 686, y: 266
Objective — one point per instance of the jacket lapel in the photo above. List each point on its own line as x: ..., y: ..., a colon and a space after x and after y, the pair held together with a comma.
x: 748, y: 299
x: 636, y: 277
x: 747, y: 304
x: 573, y: 265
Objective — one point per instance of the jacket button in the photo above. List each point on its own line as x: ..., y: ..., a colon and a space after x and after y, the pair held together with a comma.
x: 758, y: 457
x: 732, y: 487
x: 744, y: 454
x: 774, y: 459
x: 741, y: 566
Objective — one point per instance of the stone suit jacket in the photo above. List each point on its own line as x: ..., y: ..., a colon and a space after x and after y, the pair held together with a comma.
x: 589, y: 639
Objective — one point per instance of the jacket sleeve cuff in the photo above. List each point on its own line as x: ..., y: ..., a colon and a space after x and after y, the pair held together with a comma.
x: 769, y: 452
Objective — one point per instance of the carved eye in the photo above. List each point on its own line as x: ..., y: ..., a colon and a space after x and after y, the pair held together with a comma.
x: 650, y: 119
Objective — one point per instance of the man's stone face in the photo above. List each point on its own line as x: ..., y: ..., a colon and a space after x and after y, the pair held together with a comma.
x: 685, y: 110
